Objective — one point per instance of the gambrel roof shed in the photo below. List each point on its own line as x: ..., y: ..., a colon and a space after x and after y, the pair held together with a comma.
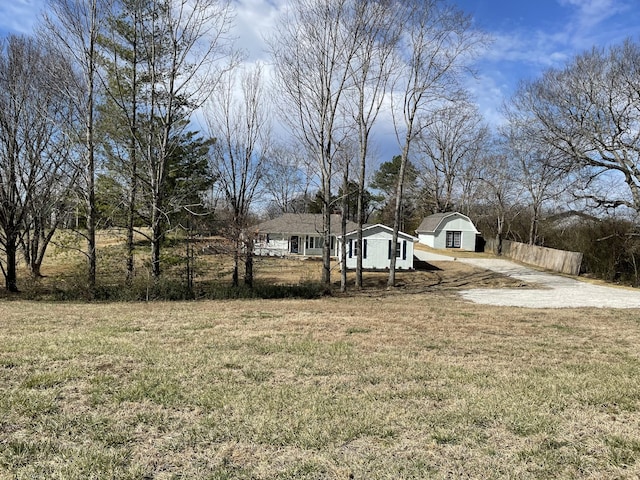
x: 448, y: 230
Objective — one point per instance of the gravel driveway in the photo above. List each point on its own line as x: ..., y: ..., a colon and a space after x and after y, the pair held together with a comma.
x: 556, y: 291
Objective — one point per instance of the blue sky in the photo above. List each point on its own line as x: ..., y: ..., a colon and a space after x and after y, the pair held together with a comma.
x: 529, y: 36
x: 532, y: 36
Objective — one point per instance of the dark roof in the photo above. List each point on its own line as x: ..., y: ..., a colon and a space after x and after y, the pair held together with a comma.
x: 430, y: 224
x: 302, y: 223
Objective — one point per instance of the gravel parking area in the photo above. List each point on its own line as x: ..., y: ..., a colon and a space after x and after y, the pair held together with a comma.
x: 555, y: 291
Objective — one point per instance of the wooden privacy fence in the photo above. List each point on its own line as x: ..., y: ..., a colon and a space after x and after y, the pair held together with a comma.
x: 549, y: 258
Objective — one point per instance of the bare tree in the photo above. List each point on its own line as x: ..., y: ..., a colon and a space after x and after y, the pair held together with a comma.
x: 537, y: 165
x: 500, y: 189
x: 438, y: 40
x: 449, y: 148
x: 589, y: 112
x: 35, y: 169
x: 241, y: 127
x: 74, y: 26
x: 379, y: 24
x: 286, y: 179
x: 346, y: 154
x: 53, y: 199
x: 312, y: 54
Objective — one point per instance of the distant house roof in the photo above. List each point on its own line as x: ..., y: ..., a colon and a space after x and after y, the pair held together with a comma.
x: 367, y: 228
x: 431, y: 223
x: 302, y: 224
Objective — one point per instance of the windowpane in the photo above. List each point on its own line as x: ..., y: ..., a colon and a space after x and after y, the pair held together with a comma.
x: 454, y: 239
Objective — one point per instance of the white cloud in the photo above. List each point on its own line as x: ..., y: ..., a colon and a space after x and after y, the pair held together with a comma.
x: 590, y: 13
x: 255, y: 21
x: 536, y: 49
x: 19, y: 16
x: 489, y: 92
x: 598, y: 22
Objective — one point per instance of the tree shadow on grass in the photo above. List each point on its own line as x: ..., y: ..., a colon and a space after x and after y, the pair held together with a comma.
x: 423, y: 266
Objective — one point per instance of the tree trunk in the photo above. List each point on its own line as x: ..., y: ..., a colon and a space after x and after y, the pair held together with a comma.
x: 498, y: 246
x: 11, y: 274
x: 248, y: 265
x: 35, y: 243
x: 133, y: 148
x: 235, y: 277
x: 38, y: 249
x: 360, y: 216
x: 533, y: 227
x: 326, y: 231
x: 91, y: 166
x: 156, y: 245
x: 343, y: 229
x: 91, y: 227
x: 398, y: 212
x: 133, y: 193
x: 236, y: 233
x: 130, y: 236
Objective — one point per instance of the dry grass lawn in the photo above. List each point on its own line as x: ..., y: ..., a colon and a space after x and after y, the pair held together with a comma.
x: 410, y: 384
x: 65, y: 277
x: 404, y: 383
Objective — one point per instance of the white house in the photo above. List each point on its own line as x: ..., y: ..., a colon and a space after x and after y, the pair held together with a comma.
x: 448, y: 230
x: 296, y: 234
x: 377, y: 248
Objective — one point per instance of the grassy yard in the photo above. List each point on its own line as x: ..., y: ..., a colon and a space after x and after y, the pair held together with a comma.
x: 389, y: 386
x: 65, y: 277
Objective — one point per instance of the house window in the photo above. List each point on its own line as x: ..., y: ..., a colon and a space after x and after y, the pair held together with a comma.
x: 314, y: 242
x: 401, y: 250
x: 354, y: 251
x: 454, y: 239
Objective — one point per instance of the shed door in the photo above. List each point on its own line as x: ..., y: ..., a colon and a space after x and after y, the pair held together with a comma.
x: 454, y: 239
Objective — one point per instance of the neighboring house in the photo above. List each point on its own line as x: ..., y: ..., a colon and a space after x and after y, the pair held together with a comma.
x: 377, y: 248
x: 296, y: 234
x: 448, y: 230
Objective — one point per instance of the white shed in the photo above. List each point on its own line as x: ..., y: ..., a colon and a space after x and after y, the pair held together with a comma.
x: 448, y: 230
x: 377, y: 248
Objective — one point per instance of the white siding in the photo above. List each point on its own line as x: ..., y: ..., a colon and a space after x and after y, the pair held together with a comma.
x: 271, y: 248
x: 377, y: 250
x: 458, y: 224
x: 454, y: 223
x: 468, y: 241
x: 280, y: 245
x: 427, y: 239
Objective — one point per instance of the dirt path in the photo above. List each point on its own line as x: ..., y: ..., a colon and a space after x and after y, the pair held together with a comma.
x: 555, y: 291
